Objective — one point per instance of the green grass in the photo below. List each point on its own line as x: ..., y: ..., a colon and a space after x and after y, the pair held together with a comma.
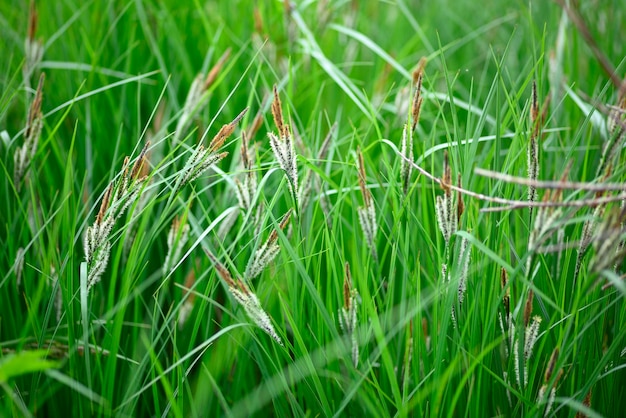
x: 117, y: 75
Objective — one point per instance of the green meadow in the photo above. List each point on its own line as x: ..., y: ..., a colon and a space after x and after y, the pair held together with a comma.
x: 312, y: 208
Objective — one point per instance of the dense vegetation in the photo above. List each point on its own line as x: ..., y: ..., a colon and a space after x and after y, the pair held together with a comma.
x: 312, y: 208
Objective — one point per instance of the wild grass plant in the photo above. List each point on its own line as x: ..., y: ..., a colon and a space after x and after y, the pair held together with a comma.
x: 312, y: 208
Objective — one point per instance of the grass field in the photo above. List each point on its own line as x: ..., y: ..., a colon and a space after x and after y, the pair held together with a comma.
x: 323, y: 208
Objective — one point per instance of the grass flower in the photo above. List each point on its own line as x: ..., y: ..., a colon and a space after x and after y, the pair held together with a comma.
x: 531, y: 334
x: 267, y: 252
x: 447, y: 217
x: 33, y: 48
x: 283, y: 146
x: 202, y: 158
x: 246, y: 298
x: 114, y: 203
x: 24, y: 155
x: 406, y: 147
x: 348, y: 313
x: 367, y: 212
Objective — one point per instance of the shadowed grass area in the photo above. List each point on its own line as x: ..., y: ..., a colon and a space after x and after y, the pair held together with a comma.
x: 274, y: 209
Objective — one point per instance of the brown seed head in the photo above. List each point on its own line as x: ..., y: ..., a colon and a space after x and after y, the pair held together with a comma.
x: 138, y: 167
x: 32, y: 21
x: 221, y: 270
x: 534, y: 106
x: 347, y: 287
x: 283, y: 223
x: 460, y: 206
x: 104, y: 206
x: 551, y: 364
x: 225, y: 132
x: 528, y: 308
x: 34, y: 112
x: 416, y: 105
x: 214, y: 72
x: 277, y: 113
x: 258, y: 21
x: 243, y: 288
x: 419, y: 71
x: 446, y: 178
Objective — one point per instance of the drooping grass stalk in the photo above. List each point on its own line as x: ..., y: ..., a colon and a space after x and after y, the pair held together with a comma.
x: 267, y: 252
x: 246, y: 298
